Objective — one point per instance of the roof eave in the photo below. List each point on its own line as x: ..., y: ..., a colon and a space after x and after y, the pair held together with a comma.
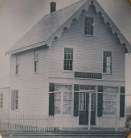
x: 26, y: 48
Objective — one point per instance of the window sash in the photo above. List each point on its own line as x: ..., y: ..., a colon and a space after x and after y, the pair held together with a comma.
x: 68, y: 59
x: 36, y: 61
x: 107, y: 62
x: 89, y: 27
x: 17, y: 65
x: 63, y: 99
x: 110, y: 100
x: 1, y: 100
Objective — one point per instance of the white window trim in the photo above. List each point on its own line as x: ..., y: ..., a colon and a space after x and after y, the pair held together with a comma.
x: 2, y: 101
x: 73, y: 65
x: 87, y: 35
x: 112, y: 116
x: 107, y: 73
x: 37, y: 62
x: 67, y: 115
x: 18, y: 65
x: 15, y: 110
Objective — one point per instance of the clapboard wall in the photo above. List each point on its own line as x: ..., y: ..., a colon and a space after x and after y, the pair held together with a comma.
x: 32, y: 87
x: 88, y: 51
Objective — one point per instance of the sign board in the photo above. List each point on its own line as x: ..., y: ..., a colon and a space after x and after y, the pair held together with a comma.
x: 88, y: 75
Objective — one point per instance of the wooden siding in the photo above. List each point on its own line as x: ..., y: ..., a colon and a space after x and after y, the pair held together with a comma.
x: 32, y: 87
x: 88, y: 51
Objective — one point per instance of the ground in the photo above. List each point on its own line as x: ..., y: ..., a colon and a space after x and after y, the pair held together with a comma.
x: 63, y: 137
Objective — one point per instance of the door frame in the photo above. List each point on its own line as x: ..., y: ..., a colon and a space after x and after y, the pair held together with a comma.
x: 89, y: 111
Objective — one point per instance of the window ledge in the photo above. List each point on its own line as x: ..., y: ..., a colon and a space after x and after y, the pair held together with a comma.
x: 107, y: 74
x: 15, y: 110
x: 36, y: 72
x: 109, y: 116
x: 68, y: 71
x: 88, y: 35
x: 63, y: 115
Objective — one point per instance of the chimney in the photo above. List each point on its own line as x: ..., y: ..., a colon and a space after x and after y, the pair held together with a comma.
x: 52, y: 7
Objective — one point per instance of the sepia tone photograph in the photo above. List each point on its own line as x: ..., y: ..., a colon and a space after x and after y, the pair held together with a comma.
x: 65, y: 68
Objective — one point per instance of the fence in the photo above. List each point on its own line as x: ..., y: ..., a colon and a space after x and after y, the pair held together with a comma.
x: 26, y: 123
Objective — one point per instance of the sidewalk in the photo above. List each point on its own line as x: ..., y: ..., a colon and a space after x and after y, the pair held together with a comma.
x: 69, y: 133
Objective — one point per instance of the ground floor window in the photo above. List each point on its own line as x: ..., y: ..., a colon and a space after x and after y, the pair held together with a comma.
x: 14, y: 99
x: 63, y: 99
x: 1, y: 100
x: 109, y: 100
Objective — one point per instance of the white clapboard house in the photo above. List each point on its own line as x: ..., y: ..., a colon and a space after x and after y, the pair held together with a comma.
x: 71, y: 65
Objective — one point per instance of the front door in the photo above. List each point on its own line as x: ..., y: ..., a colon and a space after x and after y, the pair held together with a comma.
x: 84, y: 108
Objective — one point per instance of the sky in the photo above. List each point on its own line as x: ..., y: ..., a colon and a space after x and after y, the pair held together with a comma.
x: 19, y: 16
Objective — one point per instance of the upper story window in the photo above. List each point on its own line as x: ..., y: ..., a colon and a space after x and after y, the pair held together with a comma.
x: 17, y: 65
x: 14, y: 99
x: 36, y: 61
x: 107, y: 62
x: 1, y: 100
x: 68, y: 58
x: 89, y: 25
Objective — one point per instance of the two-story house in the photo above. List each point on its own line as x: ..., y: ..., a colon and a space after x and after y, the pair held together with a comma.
x: 71, y: 65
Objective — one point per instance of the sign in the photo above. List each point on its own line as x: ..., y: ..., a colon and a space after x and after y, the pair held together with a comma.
x: 88, y: 75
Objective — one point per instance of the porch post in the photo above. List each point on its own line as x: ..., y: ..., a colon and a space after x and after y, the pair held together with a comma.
x: 89, y: 112
x: 61, y: 110
x: 117, y: 106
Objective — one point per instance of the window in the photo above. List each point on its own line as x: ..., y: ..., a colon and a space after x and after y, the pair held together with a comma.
x: 68, y: 59
x: 36, y: 61
x: 89, y: 25
x: 109, y: 100
x: 83, y: 97
x: 107, y: 62
x: 82, y: 102
x: 17, y: 65
x: 63, y: 98
x: 1, y: 100
x: 14, y: 99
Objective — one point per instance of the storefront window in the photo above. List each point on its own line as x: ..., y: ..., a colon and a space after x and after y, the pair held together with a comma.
x: 63, y: 99
x: 110, y: 100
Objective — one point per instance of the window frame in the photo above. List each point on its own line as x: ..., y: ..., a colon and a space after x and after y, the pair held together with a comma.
x: 62, y: 100
x: 89, y: 35
x: 1, y: 101
x: 106, y: 62
x: 104, y: 93
x: 36, y: 62
x: 64, y: 59
x: 15, y: 100
x: 17, y: 66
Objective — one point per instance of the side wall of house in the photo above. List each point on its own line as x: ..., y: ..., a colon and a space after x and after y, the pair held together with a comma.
x: 32, y: 87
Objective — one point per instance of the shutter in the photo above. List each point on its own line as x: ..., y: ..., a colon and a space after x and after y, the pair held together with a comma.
x: 12, y: 100
x: 51, y: 99
x: 122, y: 102
x: 100, y: 102
x: 76, y: 100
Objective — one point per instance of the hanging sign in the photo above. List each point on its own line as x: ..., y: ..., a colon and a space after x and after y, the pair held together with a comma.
x: 88, y: 75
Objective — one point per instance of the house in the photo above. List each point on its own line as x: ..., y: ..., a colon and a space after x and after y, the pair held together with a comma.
x: 71, y: 65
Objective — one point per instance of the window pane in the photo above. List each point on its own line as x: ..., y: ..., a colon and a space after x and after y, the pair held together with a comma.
x: 110, y: 100
x: 107, y: 62
x: 89, y: 25
x: 68, y: 58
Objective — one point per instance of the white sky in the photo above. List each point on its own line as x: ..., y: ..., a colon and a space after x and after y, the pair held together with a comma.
x: 18, y: 16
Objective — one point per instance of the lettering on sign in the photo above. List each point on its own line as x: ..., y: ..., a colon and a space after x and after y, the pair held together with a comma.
x: 88, y: 75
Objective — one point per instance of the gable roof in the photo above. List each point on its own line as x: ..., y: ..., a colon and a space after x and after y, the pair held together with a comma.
x: 51, y: 25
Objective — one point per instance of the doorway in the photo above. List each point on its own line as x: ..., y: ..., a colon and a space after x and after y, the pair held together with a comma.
x: 87, y: 107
